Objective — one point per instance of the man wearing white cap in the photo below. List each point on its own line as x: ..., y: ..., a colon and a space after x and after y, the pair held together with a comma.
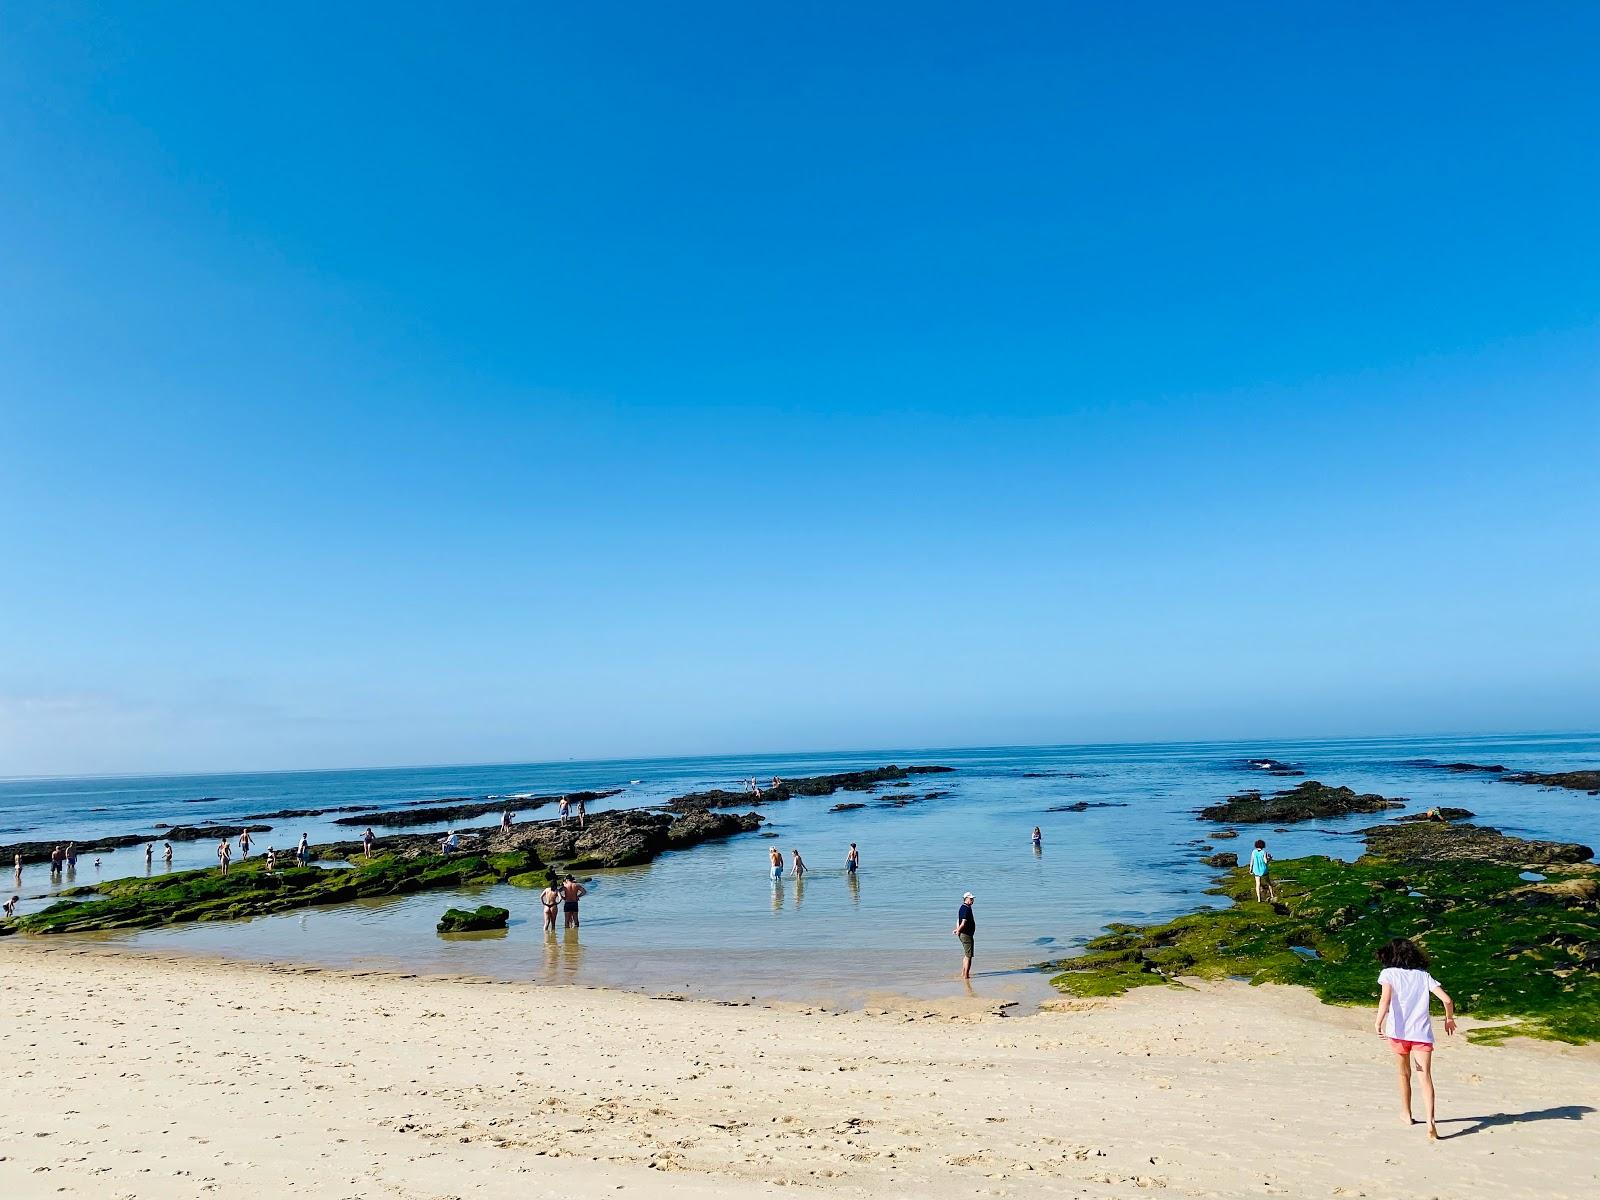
x: 965, y: 928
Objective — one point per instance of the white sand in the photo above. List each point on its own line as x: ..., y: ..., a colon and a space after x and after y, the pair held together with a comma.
x: 143, y: 1076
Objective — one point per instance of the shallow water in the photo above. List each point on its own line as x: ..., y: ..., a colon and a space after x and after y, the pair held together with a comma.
x: 710, y: 921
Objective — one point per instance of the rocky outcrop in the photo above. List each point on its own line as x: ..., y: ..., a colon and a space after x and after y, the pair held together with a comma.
x: 449, y: 814
x: 815, y: 785
x: 485, y: 916
x: 1577, y: 781
x: 1433, y: 841
x: 1307, y: 802
x: 1225, y: 860
x: 1440, y: 814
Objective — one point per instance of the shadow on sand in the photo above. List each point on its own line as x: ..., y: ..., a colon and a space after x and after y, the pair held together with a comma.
x: 1566, y: 1112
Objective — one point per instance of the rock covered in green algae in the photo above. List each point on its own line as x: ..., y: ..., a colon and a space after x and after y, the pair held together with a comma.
x: 250, y: 890
x: 485, y: 916
x: 1502, y: 948
x: 1224, y: 858
x: 1308, y: 801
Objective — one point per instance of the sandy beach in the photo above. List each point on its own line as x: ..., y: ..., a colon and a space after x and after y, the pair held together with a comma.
x: 137, y: 1075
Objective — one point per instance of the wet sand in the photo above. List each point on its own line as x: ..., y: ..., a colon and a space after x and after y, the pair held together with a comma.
x: 138, y: 1075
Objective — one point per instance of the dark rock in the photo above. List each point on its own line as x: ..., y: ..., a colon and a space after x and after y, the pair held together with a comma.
x: 1085, y: 806
x: 846, y: 807
x: 1440, y: 814
x: 1309, y: 801
x: 39, y: 852
x: 816, y: 785
x: 1577, y: 781
x: 1435, y: 841
x: 485, y: 916
x: 1226, y: 858
x: 199, y: 833
x: 1225, y: 833
x: 1459, y: 768
x: 448, y: 814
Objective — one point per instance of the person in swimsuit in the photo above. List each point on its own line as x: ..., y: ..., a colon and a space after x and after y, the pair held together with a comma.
x: 551, y: 899
x: 777, y: 862
x: 11, y: 905
x: 244, y: 843
x: 1259, y: 858
x: 303, y: 851
x: 583, y: 812
x: 799, y: 864
x: 505, y: 821
x: 72, y: 857
x: 149, y: 855
x: 224, y: 854
x: 566, y: 808
x: 852, y: 861
x: 272, y: 860
x: 166, y: 853
x: 16, y: 863
x: 571, y: 892
x: 1404, y: 1019
x: 366, y: 841
x: 1038, y: 839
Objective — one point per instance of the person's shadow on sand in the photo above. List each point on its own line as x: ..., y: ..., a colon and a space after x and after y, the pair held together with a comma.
x: 1566, y: 1112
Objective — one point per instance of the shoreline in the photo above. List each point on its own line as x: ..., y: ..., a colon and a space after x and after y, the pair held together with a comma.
x: 139, y: 1072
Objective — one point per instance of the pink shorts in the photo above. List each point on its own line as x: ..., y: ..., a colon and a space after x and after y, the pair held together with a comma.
x: 1401, y: 1046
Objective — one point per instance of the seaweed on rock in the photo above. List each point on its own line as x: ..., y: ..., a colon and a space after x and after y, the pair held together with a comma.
x: 1505, y: 949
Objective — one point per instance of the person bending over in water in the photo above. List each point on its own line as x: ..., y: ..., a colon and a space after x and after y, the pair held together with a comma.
x: 11, y: 905
x: 571, y: 892
x: 777, y: 862
x: 1259, y: 858
x: 1404, y: 1019
x: 799, y: 864
x: 551, y: 899
x: 852, y: 861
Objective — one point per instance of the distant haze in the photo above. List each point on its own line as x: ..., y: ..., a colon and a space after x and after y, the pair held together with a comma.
x: 522, y: 383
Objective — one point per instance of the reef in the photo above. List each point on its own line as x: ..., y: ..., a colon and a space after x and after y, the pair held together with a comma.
x: 485, y: 916
x: 527, y: 855
x: 1458, y: 768
x: 815, y: 785
x: 447, y: 814
x: 1578, y: 781
x: 1085, y: 806
x: 1505, y: 949
x: 1308, y: 801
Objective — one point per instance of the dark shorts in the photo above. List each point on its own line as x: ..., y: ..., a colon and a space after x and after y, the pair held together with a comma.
x: 850, y: 867
x: 966, y: 944
x: 570, y: 906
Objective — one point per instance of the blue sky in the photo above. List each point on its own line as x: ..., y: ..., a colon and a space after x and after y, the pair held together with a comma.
x: 397, y: 385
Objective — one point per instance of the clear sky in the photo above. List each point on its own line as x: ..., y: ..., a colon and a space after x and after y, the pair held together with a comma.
x: 495, y: 382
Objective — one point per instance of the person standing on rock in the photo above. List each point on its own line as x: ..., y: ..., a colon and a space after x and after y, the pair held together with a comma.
x: 966, y: 930
x: 566, y: 809
x: 571, y: 892
x: 505, y: 821
x: 244, y: 844
x: 366, y: 841
x: 583, y: 812
x: 550, y: 898
x: 1259, y: 860
x: 303, y: 851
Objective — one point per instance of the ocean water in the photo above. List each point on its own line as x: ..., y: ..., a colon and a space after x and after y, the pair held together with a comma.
x: 709, y: 921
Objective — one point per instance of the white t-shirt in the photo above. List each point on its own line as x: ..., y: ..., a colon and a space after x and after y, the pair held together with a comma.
x: 1408, y: 1018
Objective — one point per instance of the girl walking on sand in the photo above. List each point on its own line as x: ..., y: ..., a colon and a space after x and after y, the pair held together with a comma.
x: 1404, y: 1019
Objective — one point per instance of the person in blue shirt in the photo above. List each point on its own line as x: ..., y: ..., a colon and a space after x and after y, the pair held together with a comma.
x: 1259, y: 858
x: 966, y: 928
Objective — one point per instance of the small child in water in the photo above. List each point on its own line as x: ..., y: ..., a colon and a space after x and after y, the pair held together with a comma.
x: 1259, y: 858
x: 1404, y: 1019
x: 11, y: 905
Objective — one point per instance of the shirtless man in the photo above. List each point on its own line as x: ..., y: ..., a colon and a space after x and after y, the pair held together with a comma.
x: 571, y: 892
x: 244, y: 843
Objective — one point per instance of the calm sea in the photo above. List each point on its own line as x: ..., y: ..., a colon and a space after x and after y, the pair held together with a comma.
x: 709, y: 920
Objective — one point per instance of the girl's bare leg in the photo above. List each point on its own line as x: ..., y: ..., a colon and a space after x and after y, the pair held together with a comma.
x: 1403, y: 1061
x: 1425, y: 1069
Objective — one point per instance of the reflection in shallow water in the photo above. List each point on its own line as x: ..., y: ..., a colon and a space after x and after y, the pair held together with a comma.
x: 712, y: 921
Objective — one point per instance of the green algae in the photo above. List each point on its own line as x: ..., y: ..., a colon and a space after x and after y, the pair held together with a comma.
x: 476, y: 920
x: 250, y: 890
x: 1502, y: 949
